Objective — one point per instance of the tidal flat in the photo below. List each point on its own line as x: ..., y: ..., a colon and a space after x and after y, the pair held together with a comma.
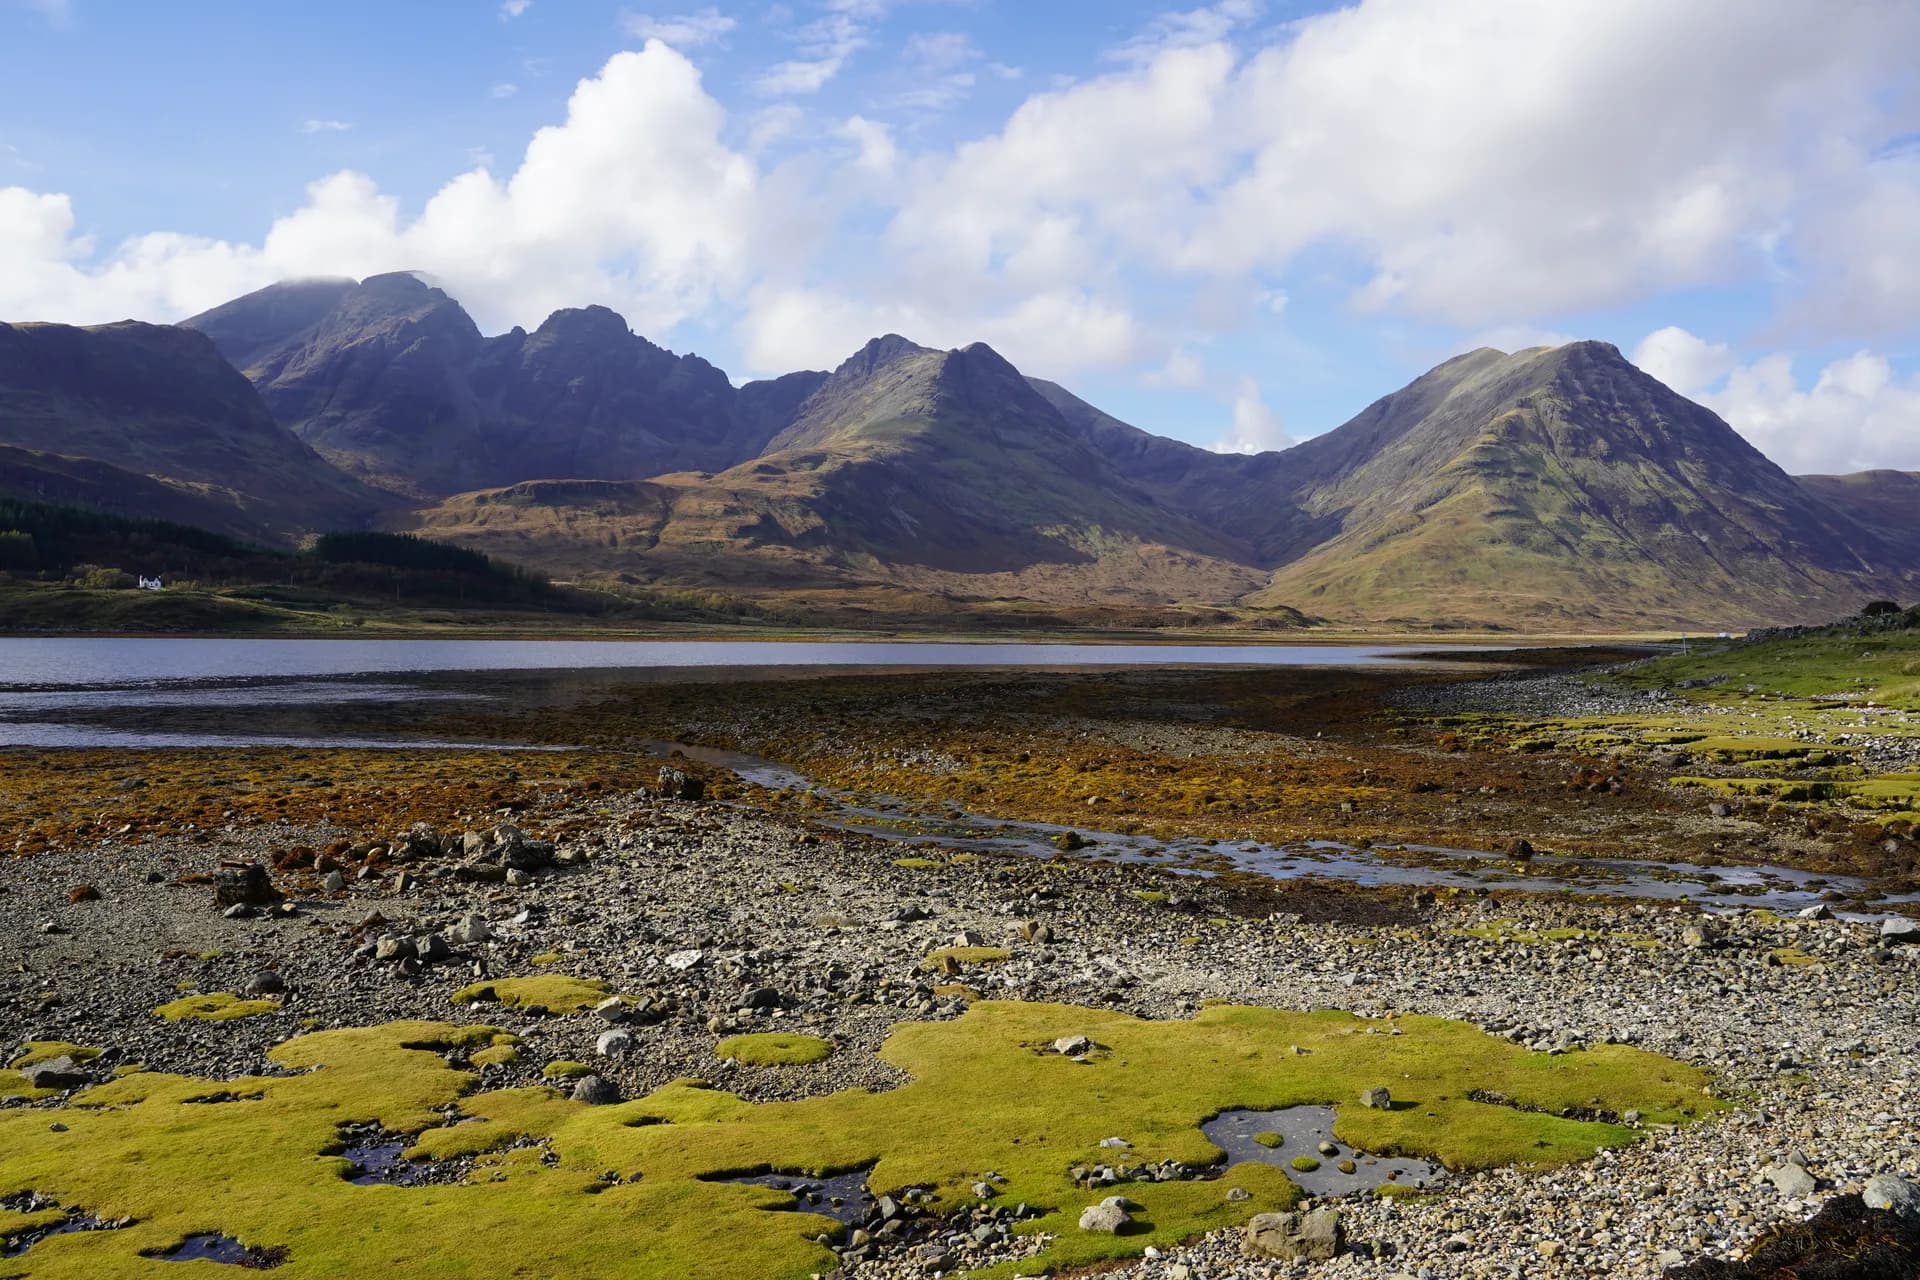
x: 650, y: 971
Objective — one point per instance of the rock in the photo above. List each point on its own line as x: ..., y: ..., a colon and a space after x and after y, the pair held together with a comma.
x: 1899, y: 929
x: 83, y: 893
x: 678, y: 784
x: 55, y: 1073
x: 1790, y: 1180
x: 391, y: 948
x: 595, y: 1092
x: 616, y: 1043
x: 433, y: 949
x: 684, y: 960
x: 470, y: 929
x: 761, y: 998
x: 334, y: 883
x: 1701, y: 936
x: 1894, y: 1194
x: 1108, y: 1216
x: 1521, y: 850
x: 1820, y: 911
x: 1378, y: 1098
x: 1236, y: 1195
x: 1311, y: 1237
x: 243, y: 884
x: 264, y: 983
x: 238, y: 911
x: 612, y: 1009
x: 1072, y: 1046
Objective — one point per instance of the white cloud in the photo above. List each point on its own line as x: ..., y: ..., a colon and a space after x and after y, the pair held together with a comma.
x: 1186, y: 28
x: 877, y: 152
x: 513, y: 8
x: 1855, y: 416
x: 1256, y: 428
x: 505, y: 89
x: 633, y: 201
x: 57, y: 12
x: 1688, y: 364
x: 326, y: 126
x: 825, y: 45
x: 684, y: 31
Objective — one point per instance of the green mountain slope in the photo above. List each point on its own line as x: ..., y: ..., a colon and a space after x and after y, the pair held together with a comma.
x: 1562, y: 486
x: 1888, y: 502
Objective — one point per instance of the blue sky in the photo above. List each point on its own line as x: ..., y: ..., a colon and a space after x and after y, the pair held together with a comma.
x: 1234, y: 223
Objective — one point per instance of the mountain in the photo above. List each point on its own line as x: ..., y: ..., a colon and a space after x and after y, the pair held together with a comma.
x: 940, y: 473
x: 159, y: 405
x: 1888, y: 502
x: 392, y: 380
x: 1563, y: 486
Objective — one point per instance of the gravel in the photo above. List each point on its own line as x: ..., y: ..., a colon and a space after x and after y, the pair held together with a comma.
x: 724, y: 920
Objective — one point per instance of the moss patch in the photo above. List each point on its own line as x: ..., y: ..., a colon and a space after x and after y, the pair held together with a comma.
x: 983, y: 1094
x: 551, y: 991
x: 1271, y: 1140
x: 565, y: 1070
x: 951, y: 958
x: 775, y: 1049
x: 218, y: 1006
x: 1305, y: 1164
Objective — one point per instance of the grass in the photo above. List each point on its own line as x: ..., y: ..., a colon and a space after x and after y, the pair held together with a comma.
x: 946, y: 958
x: 775, y: 1049
x: 554, y: 992
x: 218, y: 1006
x: 629, y: 1190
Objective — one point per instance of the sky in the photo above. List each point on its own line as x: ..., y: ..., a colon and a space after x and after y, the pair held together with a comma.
x: 1236, y: 224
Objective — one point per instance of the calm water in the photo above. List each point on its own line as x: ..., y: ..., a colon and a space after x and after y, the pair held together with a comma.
x: 54, y: 662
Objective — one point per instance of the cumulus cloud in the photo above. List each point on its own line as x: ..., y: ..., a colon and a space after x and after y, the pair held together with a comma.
x: 684, y: 31
x: 513, y: 8
x: 326, y: 126
x: 1256, y: 428
x: 1856, y: 415
x: 633, y: 201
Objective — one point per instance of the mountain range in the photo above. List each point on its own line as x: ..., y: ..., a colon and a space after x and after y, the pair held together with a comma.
x: 1550, y: 488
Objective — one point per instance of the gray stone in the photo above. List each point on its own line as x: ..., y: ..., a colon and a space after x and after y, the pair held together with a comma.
x: 595, y: 1092
x: 55, y: 1073
x: 1378, y: 1098
x: 334, y: 883
x: 684, y: 960
x: 470, y: 929
x: 612, y: 1009
x: 1108, y: 1216
x: 1311, y: 1237
x: 1899, y: 929
x: 615, y: 1043
x: 1893, y: 1193
x: 1790, y: 1180
x: 264, y: 983
x: 1072, y: 1046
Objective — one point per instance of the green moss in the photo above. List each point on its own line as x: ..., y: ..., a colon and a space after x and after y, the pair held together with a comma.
x: 964, y: 956
x: 551, y: 991
x: 982, y: 1093
x: 547, y: 958
x: 218, y: 1006
x: 565, y: 1070
x: 1305, y: 1164
x: 917, y: 864
x: 495, y: 1055
x: 775, y: 1049
x: 1153, y: 897
x: 1793, y: 956
x: 37, y: 1051
x: 1271, y: 1140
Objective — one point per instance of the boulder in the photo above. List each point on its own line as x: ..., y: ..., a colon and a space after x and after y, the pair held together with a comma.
x: 1378, y: 1098
x: 1072, y: 1046
x: 615, y: 1043
x: 1790, y: 1180
x: 1311, y: 1237
x: 1109, y: 1216
x: 1894, y: 1194
x: 596, y: 1092
x: 678, y: 784
x: 1899, y: 929
x: 55, y: 1073
x: 470, y: 929
x: 237, y: 884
